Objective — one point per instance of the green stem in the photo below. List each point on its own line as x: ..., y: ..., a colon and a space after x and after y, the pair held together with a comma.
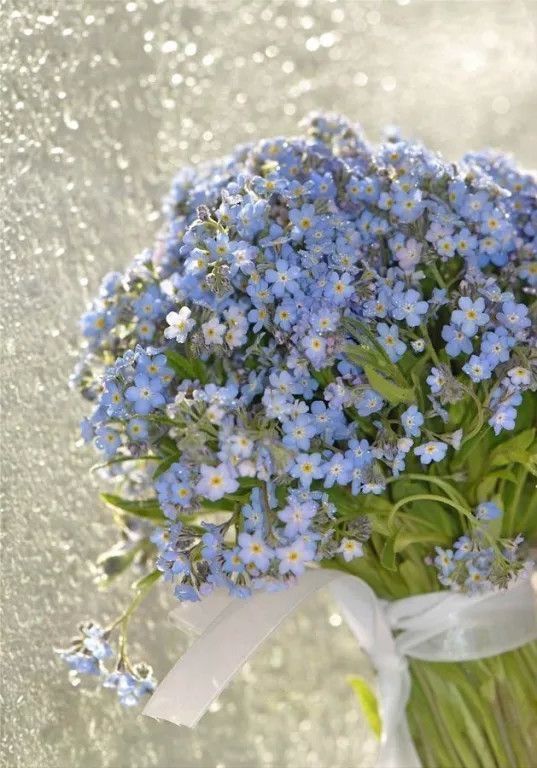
x: 478, y: 714
x: 430, y: 345
x: 432, y: 480
x: 512, y: 508
x: 480, y: 419
x: 428, y: 497
x: 122, y: 621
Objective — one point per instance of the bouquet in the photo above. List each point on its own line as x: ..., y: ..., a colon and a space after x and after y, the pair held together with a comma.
x: 328, y: 360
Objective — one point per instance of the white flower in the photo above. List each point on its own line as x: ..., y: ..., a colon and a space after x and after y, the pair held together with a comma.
x: 404, y: 444
x: 213, y: 331
x: 235, y: 337
x: 180, y: 324
x: 519, y: 376
x: 350, y: 549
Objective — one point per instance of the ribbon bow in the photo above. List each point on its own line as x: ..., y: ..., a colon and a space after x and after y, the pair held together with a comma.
x: 439, y: 626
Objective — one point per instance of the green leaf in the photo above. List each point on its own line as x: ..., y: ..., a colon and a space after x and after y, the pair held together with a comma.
x: 368, y: 703
x: 404, y: 539
x: 227, y: 504
x: 516, y: 446
x: 416, y: 577
x: 148, y: 509
x: 113, y: 562
x: 388, y: 554
x: 146, y: 581
x: 165, y: 465
x: 360, y: 355
x: 185, y: 368
x: 324, y: 377
x: 167, y: 446
x: 380, y: 526
x: 390, y: 391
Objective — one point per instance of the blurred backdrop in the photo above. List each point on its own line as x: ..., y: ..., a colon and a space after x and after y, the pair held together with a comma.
x: 101, y: 101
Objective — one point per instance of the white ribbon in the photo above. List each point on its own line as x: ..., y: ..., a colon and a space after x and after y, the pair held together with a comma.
x: 439, y: 626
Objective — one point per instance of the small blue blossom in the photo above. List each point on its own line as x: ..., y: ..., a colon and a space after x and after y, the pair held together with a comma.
x: 107, y: 440
x: 389, y: 339
x: 457, y: 341
x: 145, y: 394
x: 487, y: 510
x: 514, y: 316
x: 410, y: 307
x: 369, y: 402
x: 477, y: 368
x: 307, y: 467
x: 254, y: 550
x: 470, y: 315
x: 412, y: 420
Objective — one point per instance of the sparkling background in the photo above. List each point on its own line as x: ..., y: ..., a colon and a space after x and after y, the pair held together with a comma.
x: 101, y: 102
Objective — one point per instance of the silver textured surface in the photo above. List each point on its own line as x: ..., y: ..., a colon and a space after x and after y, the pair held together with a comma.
x: 101, y: 101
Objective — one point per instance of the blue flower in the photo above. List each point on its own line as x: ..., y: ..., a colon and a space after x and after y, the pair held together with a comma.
x: 297, y: 515
x: 503, y: 418
x: 514, y: 316
x: 149, y: 304
x: 389, y: 339
x: 253, y: 513
x: 339, y: 287
x: 496, y: 346
x: 360, y: 452
x: 186, y: 592
x: 409, y: 306
x: 457, y: 341
x: 477, y: 368
x: 338, y: 470
x: 253, y: 550
x: 145, y: 394
x: 303, y: 219
x: 470, y: 315
x: 298, y: 432
x: 88, y: 651
x: 408, y: 205
x: 232, y: 561
x: 307, y: 467
x: 155, y: 366
x: 131, y: 685
x: 436, y: 380
x: 369, y: 402
x: 293, y: 557
x: 412, y: 420
x: 444, y: 561
x: 487, y: 510
x: 464, y: 548
x: 283, y: 278
x: 107, y: 440
x: 314, y: 346
x: 112, y: 399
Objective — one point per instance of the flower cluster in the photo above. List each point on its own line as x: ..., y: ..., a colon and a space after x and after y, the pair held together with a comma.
x: 87, y: 654
x: 315, y: 361
x: 472, y: 563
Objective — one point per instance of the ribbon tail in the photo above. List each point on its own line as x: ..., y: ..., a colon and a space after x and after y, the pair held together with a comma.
x: 216, y: 656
